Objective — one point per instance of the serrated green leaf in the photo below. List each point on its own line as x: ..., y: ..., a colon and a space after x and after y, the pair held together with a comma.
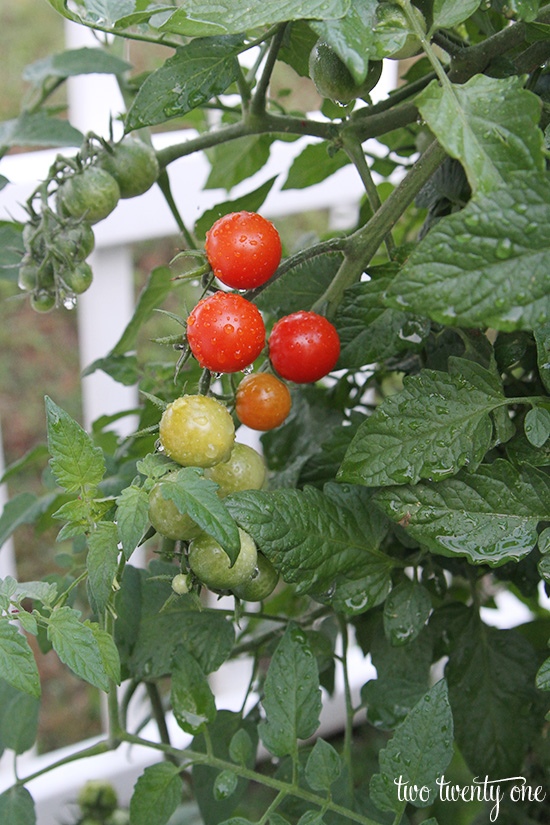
x: 107, y: 650
x: 503, y: 285
x: 323, y: 766
x: 543, y: 676
x: 449, y: 13
x: 157, y: 794
x: 210, y: 17
x: 102, y: 560
x: 35, y: 455
x: 77, y: 647
x: 108, y: 12
x: 208, y: 637
x: 17, y: 663
x: 537, y: 426
x: 313, y: 165
x: 41, y: 591
x: 131, y: 517
x: 406, y: 611
x: 76, y: 463
x: 240, y: 747
x: 17, y: 807
x: 292, y: 696
x: 39, y: 129
x: 351, y: 36
x: 20, y: 510
x: 18, y: 719
x: 489, y: 124
x: 490, y: 668
x: 197, y: 496
x: 250, y: 202
x: 371, y: 332
x: 74, y: 62
x: 438, y: 423
x: 419, y: 752
x: 237, y: 160
x: 192, y: 699
x: 198, y: 71
x: 489, y: 516
x: 321, y: 541
x: 121, y: 368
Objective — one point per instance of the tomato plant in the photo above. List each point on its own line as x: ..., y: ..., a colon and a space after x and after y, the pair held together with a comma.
x: 387, y: 513
x: 226, y: 332
x: 243, y: 249
x: 303, y: 347
x: 196, y: 431
x: 262, y: 401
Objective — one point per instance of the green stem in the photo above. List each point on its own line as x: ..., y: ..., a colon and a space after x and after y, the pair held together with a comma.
x: 348, y: 730
x: 354, y: 151
x: 94, y: 750
x: 115, y: 727
x: 257, y: 106
x: 363, y: 244
x: 164, y: 186
x: 254, y: 776
x: 160, y: 718
x: 273, y: 807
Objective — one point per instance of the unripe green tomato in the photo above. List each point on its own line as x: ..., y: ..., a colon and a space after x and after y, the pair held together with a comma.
x: 261, y: 584
x: 392, y: 26
x: 211, y: 565
x: 75, y: 242
x: 79, y: 277
x: 28, y: 274
x: 33, y: 240
x: 43, y: 300
x: 197, y: 431
x: 181, y: 584
x: 133, y: 164
x: 91, y: 194
x: 119, y: 817
x: 244, y: 470
x: 97, y: 795
x: 165, y: 516
x: 333, y: 79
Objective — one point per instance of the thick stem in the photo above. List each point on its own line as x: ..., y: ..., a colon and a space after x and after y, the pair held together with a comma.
x: 355, y: 153
x: 257, y: 106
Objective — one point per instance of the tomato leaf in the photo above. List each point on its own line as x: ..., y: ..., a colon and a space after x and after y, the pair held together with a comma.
x: 210, y: 17
x: 17, y: 807
x: 77, y: 647
x: 489, y: 124
x: 39, y: 129
x: 250, y: 202
x: 237, y: 160
x: 438, y: 423
x: 75, y: 462
x: 18, y: 718
x: 131, y: 517
x: 351, y: 36
x: 197, y: 72
x: 323, y: 766
x: 157, y: 794
x: 17, y: 663
x: 292, y: 696
x: 74, y: 62
x: 20, y: 510
x: 107, y: 650
x: 101, y: 561
x: 313, y: 165
x: 490, y: 668
x: 489, y: 516
x: 406, y: 611
x: 300, y: 286
x: 418, y: 753
x: 192, y: 699
x: 449, y: 13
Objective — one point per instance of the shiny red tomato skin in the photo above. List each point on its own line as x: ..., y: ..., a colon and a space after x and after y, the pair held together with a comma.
x: 243, y: 249
x: 304, y: 347
x: 226, y: 333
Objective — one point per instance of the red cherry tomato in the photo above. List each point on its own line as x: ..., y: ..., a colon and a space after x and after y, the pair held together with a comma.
x: 226, y: 332
x: 263, y: 402
x: 243, y: 249
x: 304, y: 347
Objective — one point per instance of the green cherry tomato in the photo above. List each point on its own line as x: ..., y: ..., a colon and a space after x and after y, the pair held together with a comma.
x: 244, y: 470
x: 91, y: 194
x: 211, y: 565
x: 76, y: 242
x: 133, y: 164
x: 165, y: 516
x: 97, y: 795
x: 181, y: 583
x: 197, y: 431
x: 43, y: 301
x: 78, y: 277
x: 261, y: 584
x: 333, y: 79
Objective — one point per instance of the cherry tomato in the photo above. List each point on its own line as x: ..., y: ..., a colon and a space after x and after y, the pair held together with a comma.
x: 197, y: 431
x: 243, y: 249
x: 165, y: 516
x: 261, y: 584
x: 133, y: 164
x: 78, y: 277
x: 211, y: 565
x: 333, y: 79
x: 244, y: 470
x: 263, y: 402
x: 97, y: 795
x: 181, y: 583
x: 91, y: 194
x: 226, y: 332
x: 304, y: 347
